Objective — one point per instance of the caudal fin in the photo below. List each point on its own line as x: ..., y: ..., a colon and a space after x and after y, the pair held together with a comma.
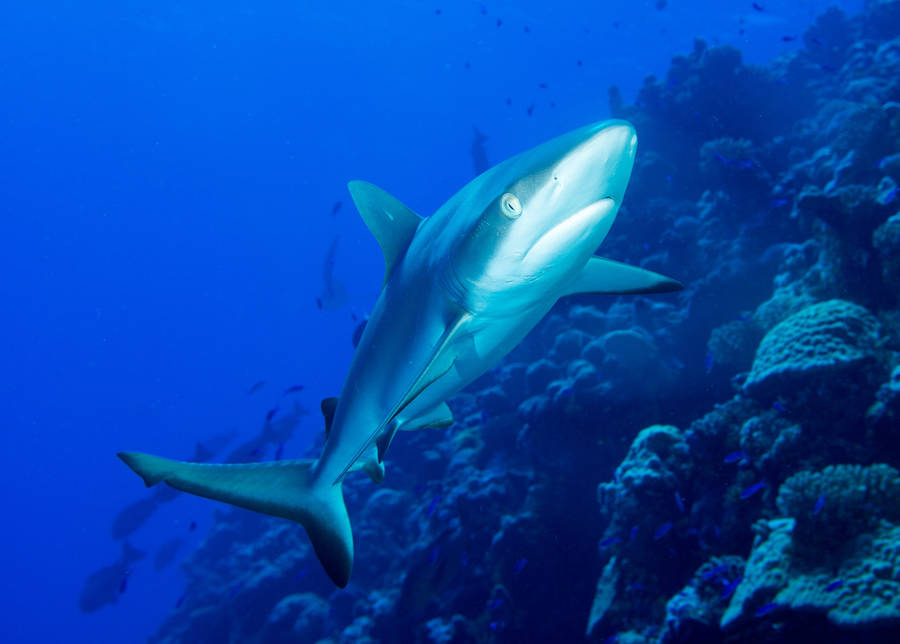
x: 279, y: 488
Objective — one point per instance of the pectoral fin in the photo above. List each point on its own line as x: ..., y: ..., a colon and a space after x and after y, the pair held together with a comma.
x: 606, y: 276
x: 440, y: 363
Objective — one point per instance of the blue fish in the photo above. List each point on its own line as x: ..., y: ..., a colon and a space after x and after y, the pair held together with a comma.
x: 715, y: 572
x: 778, y: 203
x: 837, y: 583
x: 820, y: 503
x: 662, y: 531
x: 753, y: 489
x: 730, y: 587
x: 302, y: 573
x: 679, y: 501
x: 609, y: 541
x: 179, y: 602
x: 435, y: 553
x: 464, y: 559
x: 765, y: 610
x: 520, y: 565
x: 779, y: 407
x: 433, y: 505
x: 890, y: 196
x: 637, y: 586
x: 271, y: 414
x: 709, y: 362
x: 734, y: 457
x: 633, y: 533
x: 279, y: 452
x: 497, y: 603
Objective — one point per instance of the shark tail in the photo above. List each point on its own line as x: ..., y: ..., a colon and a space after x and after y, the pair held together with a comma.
x: 280, y: 488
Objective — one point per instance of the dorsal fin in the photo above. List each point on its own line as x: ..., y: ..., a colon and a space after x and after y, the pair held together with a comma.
x: 328, y: 405
x: 392, y: 223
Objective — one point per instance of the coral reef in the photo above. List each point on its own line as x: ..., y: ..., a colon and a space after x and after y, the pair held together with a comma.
x: 716, y: 465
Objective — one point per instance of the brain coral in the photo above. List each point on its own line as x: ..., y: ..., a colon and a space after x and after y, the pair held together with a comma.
x: 823, y: 341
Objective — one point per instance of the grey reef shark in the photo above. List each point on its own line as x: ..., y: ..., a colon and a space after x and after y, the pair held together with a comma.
x: 461, y: 289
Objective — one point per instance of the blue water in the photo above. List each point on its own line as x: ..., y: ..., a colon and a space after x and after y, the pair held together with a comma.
x: 167, y: 177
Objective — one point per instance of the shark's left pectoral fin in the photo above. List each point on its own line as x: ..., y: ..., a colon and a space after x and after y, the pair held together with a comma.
x: 391, y: 222
x: 606, y: 276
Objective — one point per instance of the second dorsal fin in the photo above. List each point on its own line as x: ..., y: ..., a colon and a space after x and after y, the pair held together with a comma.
x: 391, y: 222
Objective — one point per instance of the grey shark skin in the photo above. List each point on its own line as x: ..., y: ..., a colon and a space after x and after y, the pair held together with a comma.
x: 461, y: 289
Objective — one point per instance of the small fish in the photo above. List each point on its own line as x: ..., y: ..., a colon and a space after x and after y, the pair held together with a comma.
x: 753, y: 489
x: 302, y: 573
x: 530, y: 109
x: 293, y: 389
x: 636, y: 586
x: 679, y: 501
x: 730, y: 587
x: 890, y: 196
x: 565, y: 392
x: 464, y: 559
x: 499, y: 22
x: 579, y: 63
x: 778, y: 203
x: 336, y: 207
x: 279, y: 452
x: 633, y: 533
x: 820, y: 503
x: 715, y: 572
x: 433, y: 505
x: 271, y: 414
x: 497, y: 603
x: 837, y: 583
x: 662, y: 531
x: 124, y: 583
x: 765, y: 610
x: 709, y: 361
x: 435, y: 553
x: 520, y: 565
x: 609, y: 541
x: 180, y: 601
x: 527, y: 29
x: 193, y: 526
x: 256, y: 387
x: 734, y: 457
x: 661, y: 4
x: 542, y: 85
x: 788, y: 38
x: 256, y: 451
x: 757, y: 7
x: 779, y: 407
x: 493, y: 626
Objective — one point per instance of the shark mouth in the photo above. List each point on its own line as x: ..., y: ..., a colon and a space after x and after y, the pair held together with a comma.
x: 592, y: 221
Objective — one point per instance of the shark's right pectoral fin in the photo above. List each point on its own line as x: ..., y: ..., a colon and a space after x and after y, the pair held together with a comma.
x: 391, y: 222
x: 280, y: 488
x: 606, y: 276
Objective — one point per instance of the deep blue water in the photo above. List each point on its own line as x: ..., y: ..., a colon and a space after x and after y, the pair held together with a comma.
x: 167, y: 177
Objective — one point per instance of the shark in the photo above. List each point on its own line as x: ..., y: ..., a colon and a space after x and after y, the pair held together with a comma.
x: 461, y: 288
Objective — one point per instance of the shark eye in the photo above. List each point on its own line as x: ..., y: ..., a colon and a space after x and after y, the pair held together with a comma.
x: 510, y: 205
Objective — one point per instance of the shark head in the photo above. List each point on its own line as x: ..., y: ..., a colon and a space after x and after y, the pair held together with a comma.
x: 542, y: 214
